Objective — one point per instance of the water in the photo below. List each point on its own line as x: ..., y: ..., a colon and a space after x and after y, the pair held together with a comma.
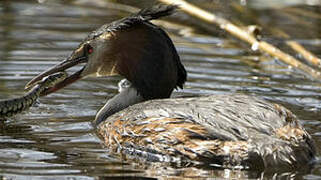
x: 55, y: 139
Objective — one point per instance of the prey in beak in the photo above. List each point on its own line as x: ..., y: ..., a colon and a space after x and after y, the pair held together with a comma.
x: 78, y: 57
x: 96, y: 55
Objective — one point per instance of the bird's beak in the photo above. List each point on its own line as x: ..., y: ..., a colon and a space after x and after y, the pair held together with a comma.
x: 64, y: 65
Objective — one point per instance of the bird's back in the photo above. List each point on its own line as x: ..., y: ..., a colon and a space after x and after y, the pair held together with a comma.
x: 221, y: 130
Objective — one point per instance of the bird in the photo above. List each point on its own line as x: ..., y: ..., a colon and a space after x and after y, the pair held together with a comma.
x: 143, y: 122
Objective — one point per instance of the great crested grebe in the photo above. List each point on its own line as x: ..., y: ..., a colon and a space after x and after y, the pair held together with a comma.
x: 223, y: 130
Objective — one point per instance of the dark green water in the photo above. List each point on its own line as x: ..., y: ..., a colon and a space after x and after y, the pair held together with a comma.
x: 55, y: 138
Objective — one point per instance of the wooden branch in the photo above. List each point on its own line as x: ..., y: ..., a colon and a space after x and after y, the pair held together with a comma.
x: 297, y: 47
x: 243, y: 35
x: 309, y: 56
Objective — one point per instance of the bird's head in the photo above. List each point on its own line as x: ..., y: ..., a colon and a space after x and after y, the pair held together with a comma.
x: 131, y: 47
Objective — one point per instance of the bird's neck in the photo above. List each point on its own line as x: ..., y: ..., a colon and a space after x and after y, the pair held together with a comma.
x: 127, y: 96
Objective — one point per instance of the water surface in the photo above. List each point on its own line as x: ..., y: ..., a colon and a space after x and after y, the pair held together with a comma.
x: 55, y: 139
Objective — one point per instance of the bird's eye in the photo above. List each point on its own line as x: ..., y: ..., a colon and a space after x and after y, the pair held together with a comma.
x: 90, y: 49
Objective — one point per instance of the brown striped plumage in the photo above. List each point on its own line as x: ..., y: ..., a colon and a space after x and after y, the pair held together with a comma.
x: 254, y: 134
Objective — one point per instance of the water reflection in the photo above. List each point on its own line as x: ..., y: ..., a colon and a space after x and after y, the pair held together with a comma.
x: 55, y: 138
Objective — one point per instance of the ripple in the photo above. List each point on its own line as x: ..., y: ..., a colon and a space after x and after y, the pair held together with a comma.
x: 55, y: 139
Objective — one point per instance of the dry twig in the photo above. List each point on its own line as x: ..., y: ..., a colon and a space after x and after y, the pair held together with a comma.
x: 243, y: 35
x: 307, y: 55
